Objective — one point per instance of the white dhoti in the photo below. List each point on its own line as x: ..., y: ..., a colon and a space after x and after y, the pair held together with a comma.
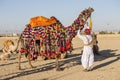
x: 87, y: 56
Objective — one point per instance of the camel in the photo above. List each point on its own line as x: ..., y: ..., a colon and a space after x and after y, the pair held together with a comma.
x: 49, y: 37
x: 8, y: 48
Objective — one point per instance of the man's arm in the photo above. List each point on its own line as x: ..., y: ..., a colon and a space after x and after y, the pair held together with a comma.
x: 79, y: 34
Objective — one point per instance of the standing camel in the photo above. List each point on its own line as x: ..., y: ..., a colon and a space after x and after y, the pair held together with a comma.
x: 48, y: 37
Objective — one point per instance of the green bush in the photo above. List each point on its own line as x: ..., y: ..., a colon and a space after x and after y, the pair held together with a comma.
x: 119, y: 32
x: 111, y: 33
x: 103, y: 32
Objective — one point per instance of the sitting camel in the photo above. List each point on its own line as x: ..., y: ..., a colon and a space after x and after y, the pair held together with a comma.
x: 8, y: 48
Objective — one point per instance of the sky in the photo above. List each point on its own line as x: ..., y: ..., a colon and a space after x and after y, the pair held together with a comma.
x: 15, y: 14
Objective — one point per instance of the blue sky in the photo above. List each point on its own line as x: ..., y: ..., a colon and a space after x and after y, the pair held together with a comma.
x: 14, y: 14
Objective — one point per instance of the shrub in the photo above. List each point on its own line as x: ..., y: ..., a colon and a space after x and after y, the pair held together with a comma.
x: 118, y: 32
x: 103, y: 32
x: 111, y: 33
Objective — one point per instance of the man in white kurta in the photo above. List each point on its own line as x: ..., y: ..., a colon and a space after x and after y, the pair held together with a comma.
x: 87, y: 56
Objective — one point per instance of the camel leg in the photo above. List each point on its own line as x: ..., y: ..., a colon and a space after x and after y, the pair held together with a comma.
x: 19, y: 61
x: 29, y: 61
x: 70, y: 50
x: 57, y: 63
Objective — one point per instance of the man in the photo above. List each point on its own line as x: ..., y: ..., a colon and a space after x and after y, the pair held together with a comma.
x: 87, y: 56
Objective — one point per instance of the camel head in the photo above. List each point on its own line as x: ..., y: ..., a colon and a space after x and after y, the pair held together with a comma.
x: 82, y: 18
x: 86, y: 13
x: 90, y: 9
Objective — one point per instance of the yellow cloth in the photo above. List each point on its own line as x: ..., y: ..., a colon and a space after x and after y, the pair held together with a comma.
x: 90, y: 23
x: 41, y: 21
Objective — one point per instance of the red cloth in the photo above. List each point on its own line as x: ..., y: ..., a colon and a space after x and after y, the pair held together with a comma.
x: 68, y: 44
x: 22, y: 50
x: 62, y: 48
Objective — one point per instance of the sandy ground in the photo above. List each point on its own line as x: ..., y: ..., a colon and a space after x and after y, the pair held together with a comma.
x: 106, y: 66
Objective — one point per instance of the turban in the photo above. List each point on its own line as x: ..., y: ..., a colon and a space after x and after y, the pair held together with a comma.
x: 87, y: 31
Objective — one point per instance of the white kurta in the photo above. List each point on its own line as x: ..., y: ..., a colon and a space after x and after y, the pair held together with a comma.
x: 87, y: 56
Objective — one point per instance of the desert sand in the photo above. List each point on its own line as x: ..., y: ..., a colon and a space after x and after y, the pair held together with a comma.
x: 106, y: 65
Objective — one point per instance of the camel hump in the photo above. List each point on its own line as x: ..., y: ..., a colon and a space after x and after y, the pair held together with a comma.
x: 41, y: 21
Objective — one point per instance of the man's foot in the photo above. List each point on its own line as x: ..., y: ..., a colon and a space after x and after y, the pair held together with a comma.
x: 85, y: 70
x: 89, y: 69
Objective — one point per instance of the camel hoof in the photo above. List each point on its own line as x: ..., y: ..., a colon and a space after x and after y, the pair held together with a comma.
x: 19, y: 68
x: 58, y: 69
x: 33, y: 67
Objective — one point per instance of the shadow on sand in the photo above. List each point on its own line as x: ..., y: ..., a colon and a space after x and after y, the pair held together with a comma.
x: 45, y: 67
x: 104, y: 54
x: 1, y: 51
x: 71, y: 58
